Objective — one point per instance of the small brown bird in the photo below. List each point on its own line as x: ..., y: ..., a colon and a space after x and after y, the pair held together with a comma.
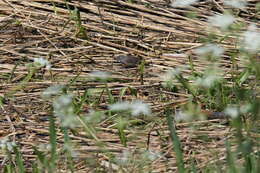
x: 128, y: 61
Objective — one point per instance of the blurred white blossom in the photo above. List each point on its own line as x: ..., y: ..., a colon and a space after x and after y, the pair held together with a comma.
x: 232, y: 111
x: 94, y: 117
x: 41, y: 62
x: 212, y: 49
x: 190, y: 113
x: 44, y: 147
x: 222, y: 21
x: 235, y: 110
x: 101, y: 75
x: 169, y: 78
x: 150, y: 155
x: 236, y: 3
x: 182, y: 116
x: 207, y: 80
x: 5, y: 144
x: 210, y: 77
x: 170, y: 74
x: 52, y: 90
x: 136, y: 108
x: 182, y: 3
x: 64, y: 110
x: 124, y: 157
x: 70, y: 149
x: 245, y: 108
x: 62, y: 102
x: 251, y: 39
x: 131, y: 157
x: 173, y: 72
x: 120, y: 106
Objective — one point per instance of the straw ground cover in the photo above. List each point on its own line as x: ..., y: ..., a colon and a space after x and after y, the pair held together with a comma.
x: 88, y: 120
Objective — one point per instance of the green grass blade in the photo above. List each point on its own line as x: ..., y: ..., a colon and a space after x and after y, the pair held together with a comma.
x: 175, y: 140
x: 111, y: 99
x: 19, y: 160
x: 230, y: 159
x: 53, y: 139
x: 121, y: 124
x: 68, y: 154
x: 39, y: 155
x: 8, y: 169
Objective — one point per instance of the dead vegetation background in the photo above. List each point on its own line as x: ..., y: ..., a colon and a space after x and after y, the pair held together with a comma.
x: 153, y: 30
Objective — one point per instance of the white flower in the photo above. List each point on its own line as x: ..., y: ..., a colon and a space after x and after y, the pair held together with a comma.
x: 172, y: 73
x: 52, y: 90
x: 150, y: 155
x: 69, y: 121
x: 41, y: 62
x: 182, y: 116
x: 232, y: 111
x: 120, y: 106
x: 236, y: 3
x: 44, y: 147
x: 63, y: 101
x: 100, y: 75
x: 191, y: 113
x: 5, y: 144
x: 64, y: 110
x: 251, y: 39
x: 10, y: 145
x: 207, y: 81
x: 70, y: 149
x: 245, y: 108
x: 212, y: 49
x: 124, y: 157
x: 235, y: 110
x: 210, y: 77
x: 169, y: 77
x: 136, y: 107
x: 94, y: 116
x: 183, y: 3
x: 222, y: 21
